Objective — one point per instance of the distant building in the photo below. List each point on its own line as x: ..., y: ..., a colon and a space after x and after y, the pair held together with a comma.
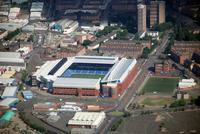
x: 92, y: 120
x: 19, y: 1
x: 124, y: 6
x: 123, y: 48
x: 12, y: 61
x: 156, y: 13
x: 142, y: 28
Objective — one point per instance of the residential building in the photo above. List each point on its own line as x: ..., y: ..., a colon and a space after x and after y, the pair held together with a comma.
x: 142, y: 28
x: 156, y: 13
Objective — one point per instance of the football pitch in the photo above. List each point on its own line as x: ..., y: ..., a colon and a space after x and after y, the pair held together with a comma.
x: 160, y: 85
x: 89, y: 76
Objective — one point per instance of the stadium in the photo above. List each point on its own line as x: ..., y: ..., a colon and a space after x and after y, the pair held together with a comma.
x: 87, y: 76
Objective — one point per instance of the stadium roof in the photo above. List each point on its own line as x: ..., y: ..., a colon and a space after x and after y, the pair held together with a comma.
x: 95, y: 59
x: 77, y: 83
x: 9, y: 92
x: 45, y: 69
x: 14, y: 57
x: 87, y: 118
x: 121, y: 70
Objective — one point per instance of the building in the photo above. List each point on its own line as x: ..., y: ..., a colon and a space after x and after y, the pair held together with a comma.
x: 156, y: 13
x: 185, y: 84
x: 7, y: 81
x: 3, y: 33
x: 10, y: 92
x: 8, y: 102
x: 12, y: 61
x: 142, y: 28
x: 87, y: 75
x: 14, y: 12
x: 162, y: 68
x: 182, y: 50
x: 90, y: 120
x: 36, y: 10
x: 124, y: 48
x: 65, y: 26
x: 27, y: 95
x: 124, y: 6
x: 19, y: 1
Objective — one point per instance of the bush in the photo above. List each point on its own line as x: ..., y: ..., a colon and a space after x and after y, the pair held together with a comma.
x: 116, y: 125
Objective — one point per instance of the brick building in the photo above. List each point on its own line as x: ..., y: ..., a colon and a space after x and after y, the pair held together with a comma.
x: 163, y: 67
x: 182, y: 50
x: 124, y: 48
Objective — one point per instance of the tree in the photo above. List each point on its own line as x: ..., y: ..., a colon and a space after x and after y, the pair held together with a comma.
x: 86, y: 43
x: 121, y: 35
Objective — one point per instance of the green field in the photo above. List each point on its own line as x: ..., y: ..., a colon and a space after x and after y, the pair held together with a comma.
x: 161, y: 101
x: 89, y: 76
x: 160, y: 85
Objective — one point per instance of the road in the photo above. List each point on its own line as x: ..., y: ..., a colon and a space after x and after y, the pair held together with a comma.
x: 132, y: 90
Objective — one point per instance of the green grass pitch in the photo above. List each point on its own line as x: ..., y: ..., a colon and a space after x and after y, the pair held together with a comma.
x: 160, y: 85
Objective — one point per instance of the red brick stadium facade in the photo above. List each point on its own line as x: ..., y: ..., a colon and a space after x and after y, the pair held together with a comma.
x: 121, y: 87
x: 75, y: 91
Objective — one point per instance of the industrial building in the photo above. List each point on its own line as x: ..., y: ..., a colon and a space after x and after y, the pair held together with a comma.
x: 87, y: 120
x: 12, y: 61
x: 9, y: 92
x: 65, y: 26
x: 87, y: 75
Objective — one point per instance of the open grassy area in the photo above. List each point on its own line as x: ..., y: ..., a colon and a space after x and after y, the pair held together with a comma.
x: 160, y: 101
x: 89, y: 76
x: 160, y: 85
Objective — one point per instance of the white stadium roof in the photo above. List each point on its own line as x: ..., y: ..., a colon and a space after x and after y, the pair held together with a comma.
x: 77, y: 83
x: 95, y: 59
x: 120, y: 70
x: 93, y: 119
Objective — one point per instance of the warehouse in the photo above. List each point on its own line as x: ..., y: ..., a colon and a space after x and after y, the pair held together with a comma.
x: 87, y: 75
x: 10, y: 92
x: 87, y: 120
x: 12, y: 61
